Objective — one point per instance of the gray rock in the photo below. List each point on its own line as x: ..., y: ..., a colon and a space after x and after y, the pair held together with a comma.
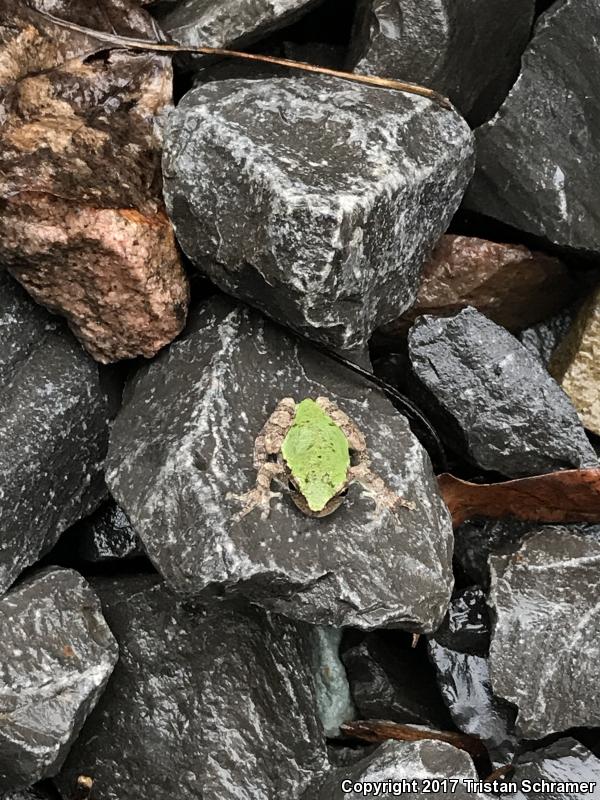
x: 27, y: 794
x: 467, y: 50
x: 220, y: 23
x: 214, y: 704
x: 396, y: 762
x: 494, y: 399
x: 536, y: 156
x: 334, y: 702
x: 56, y: 655
x: 559, y: 763
x: 458, y: 651
x: 105, y: 536
x: 184, y: 441
x: 546, y: 634
x: 314, y: 199
x: 53, y: 431
x: 542, y: 339
x: 391, y: 680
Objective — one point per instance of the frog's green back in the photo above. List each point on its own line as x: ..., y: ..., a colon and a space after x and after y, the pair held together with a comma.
x: 317, y: 454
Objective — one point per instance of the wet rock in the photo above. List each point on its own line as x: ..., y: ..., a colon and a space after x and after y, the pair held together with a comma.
x: 476, y: 540
x: 220, y: 23
x: 53, y: 431
x: 105, y: 536
x: 82, y: 222
x: 56, y: 655
x: 576, y: 363
x: 469, y: 54
x: 184, y: 442
x: 397, y: 762
x: 337, y: 193
x: 391, y: 680
x: 508, y: 283
x: 334, y: 701
x: 546, y: 633
x: 565, y: 761
x: 458, y: 650
x: 543, y: 339
x: 494, y: 398
x: 533, y: 164
x: 215, y: 704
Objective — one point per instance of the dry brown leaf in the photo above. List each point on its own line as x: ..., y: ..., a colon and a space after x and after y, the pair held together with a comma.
x: 378, y: 730
x: 568, y: 496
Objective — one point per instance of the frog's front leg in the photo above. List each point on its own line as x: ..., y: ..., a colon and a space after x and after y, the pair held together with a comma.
x: 266, y: 447
x: 361, y: 472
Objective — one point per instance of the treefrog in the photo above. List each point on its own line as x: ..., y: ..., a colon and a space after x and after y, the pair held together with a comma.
x: 316, y: 449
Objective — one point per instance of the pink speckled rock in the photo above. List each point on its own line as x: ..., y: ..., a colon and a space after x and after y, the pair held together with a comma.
x: 82, y: 224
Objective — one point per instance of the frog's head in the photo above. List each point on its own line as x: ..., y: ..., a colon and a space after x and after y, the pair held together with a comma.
x: 317, y: 456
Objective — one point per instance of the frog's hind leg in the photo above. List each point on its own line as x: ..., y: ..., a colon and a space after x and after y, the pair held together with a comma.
x: 266, y: 446
x: 384, y: 495
x: 361, y: 472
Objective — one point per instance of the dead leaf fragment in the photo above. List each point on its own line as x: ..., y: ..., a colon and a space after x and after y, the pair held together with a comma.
x: 568, y: 496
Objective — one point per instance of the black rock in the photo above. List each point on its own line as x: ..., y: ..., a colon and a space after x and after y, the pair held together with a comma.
x: 546, y: 632
x: 466, y: 627
x: 184, y: 442
x: 56, y: 655
x: 314, y: 199
x: 105, y: 536
x: 458, y: 651
x: 53, y: 431
x: 476, y: 540
x: 562, y: 762
x: 536, y: 156
x: 391, y: 680
x: 220, y: 23
x: 470, y: 54
x: 395, y: 762
x: 212, y: 704
x: 494, y: 399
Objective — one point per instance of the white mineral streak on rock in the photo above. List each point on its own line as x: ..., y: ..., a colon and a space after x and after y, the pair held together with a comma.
x: 340, y: 192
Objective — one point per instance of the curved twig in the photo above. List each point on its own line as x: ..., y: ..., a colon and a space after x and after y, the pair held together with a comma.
x: 146, y: 45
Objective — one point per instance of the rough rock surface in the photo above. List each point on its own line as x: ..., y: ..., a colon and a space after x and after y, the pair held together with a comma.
x: 495, y: 398
x: 334, y: 701
x: 184, y: 442
x: 508, y: 283
x: 543, y: 339
x: 576, y: 363
x: 220, y: 23
x: 396, y: 762
x: 82, y: 223
x: 564, y: 761
x: 105, y: 536
x: 56, y: 655
x: 26, y: 794
x: 53, y: 431
x: 546, y: 634
x: 535, y: 157
x: 222, y: 701
x: 459, y: 652
x: 314, y: 199
x: 391, y: 680
x: 467, y: 50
